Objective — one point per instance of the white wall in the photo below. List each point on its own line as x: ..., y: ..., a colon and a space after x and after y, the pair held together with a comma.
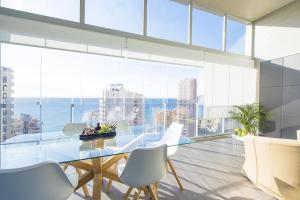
x: 278, y: 34
x: 226, y: 85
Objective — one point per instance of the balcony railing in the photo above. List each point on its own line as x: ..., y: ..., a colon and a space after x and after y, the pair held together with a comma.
x: 51, y: 116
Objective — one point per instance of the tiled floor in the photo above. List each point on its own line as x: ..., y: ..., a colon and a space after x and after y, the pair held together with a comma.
x: 208, y: 170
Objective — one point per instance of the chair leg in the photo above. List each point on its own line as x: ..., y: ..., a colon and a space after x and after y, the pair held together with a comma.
x: 137, y: 194
x: 128, y: 193
x: 152, y: 193
x: 84, y: 187
x: 167, y: 168
x: 109, y: 185
x: 126, y: 157
x: 156, y: 185
x: 174, y: 172
x: 145, y: 190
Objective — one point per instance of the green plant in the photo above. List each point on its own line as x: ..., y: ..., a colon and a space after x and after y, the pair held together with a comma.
x: 250, y: 116
x: 107, y: 127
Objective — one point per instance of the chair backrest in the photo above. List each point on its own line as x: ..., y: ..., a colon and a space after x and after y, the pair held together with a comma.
x: 145, y: 166
x: 123, y: 126
x: 74, y: 128
x: 172, y: 137
x: 45, y: 181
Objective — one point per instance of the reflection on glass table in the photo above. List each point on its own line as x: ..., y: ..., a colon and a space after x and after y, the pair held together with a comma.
x: 55, y: 146
x: 84, y: 155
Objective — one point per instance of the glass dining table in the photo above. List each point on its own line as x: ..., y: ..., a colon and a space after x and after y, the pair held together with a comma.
x: 96, y: 157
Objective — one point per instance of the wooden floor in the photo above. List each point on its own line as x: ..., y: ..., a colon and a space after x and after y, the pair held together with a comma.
x: 208, y: 170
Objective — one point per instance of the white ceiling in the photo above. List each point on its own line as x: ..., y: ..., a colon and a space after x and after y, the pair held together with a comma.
x: 250, y: 10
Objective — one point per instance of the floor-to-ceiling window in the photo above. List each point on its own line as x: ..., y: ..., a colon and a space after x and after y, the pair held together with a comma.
x: 46, y: 88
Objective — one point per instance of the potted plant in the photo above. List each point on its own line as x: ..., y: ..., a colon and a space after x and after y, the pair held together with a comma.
x: 104, y: 130
x: 250, y: 117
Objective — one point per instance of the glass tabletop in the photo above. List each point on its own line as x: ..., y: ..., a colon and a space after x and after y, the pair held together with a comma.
x: 61, y: 148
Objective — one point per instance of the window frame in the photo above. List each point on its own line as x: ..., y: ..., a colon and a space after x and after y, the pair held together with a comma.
x: 144, y: 36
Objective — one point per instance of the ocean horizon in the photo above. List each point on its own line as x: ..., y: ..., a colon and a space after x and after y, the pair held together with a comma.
x: 55, y: 112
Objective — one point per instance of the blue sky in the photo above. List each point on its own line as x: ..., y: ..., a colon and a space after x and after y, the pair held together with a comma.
x: 166, y: 19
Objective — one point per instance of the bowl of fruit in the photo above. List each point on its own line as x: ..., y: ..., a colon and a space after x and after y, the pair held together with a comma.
x: 104, y: 130
x: 107, y: 129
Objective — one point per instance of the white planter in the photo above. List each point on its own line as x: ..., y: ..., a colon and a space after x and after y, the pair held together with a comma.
x: 298, y: 135
x: 238, y: 142
x: 241, y: 138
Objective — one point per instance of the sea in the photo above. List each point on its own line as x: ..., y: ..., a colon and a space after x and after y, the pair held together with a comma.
x: 54, y: 113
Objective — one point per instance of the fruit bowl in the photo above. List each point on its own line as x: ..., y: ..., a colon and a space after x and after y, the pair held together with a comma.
x: 106, y: 134
x: 87, y: 137
x: 106, y: 130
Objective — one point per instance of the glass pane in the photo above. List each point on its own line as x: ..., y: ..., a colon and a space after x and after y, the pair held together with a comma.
x: 236, y: 33
x: 207, y: 29
x: 168, y: 20
x: 20, y: 89
x: 80, y: 87
x: 61, y: 87
x: 117, y: 14
x: 66, y: 9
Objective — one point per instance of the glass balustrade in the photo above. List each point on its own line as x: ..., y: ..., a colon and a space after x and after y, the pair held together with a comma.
x: 44, y: 89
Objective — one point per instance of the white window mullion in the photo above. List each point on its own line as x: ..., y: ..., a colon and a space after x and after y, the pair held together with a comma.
x: 190, y: 25
x: 224, y: 47
x: 145, y: 18
x: 82, y: 11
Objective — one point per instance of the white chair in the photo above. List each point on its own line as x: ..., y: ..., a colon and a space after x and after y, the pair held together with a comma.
x: 144, y: 168
x: 123, y: 126
x: 74, y: 128
x: 44, y: 181
x: 171, y: 138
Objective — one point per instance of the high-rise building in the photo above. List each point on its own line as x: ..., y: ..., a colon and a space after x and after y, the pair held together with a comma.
x: 25, y: 124
x: 186, y: 105
x: 117, y: 103
x: 6, y: 102
x: 166, y: 117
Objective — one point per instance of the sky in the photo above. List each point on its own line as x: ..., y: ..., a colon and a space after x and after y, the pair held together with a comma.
x: 57, y: 73
x: 53, y: 73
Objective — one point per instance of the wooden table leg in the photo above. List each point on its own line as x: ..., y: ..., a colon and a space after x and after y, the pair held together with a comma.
x: 97, y: 180
x: 84, y: 187
x: 109, y: 185
x: 96, y: 169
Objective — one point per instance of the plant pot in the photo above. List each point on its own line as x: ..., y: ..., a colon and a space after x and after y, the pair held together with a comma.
x: 97, y: 135
x: 106, y: 135
x: 241, y: 138
x: 87, y: 137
